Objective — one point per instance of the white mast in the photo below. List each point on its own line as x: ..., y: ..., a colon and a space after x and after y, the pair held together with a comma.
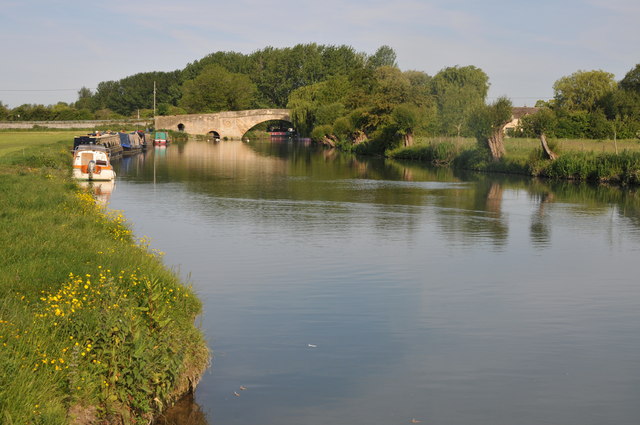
x: 154, y: 98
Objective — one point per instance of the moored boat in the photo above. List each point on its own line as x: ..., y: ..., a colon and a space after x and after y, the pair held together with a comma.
x: 91, y: 162
x: 131, y: 142
x: 111, y: 141
x: 161, y: 138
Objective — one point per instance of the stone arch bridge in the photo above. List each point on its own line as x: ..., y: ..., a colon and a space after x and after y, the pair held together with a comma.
x: 230, y: 125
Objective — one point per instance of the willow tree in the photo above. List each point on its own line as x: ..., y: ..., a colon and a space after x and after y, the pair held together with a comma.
x: 487, y: 123
x: 406, y: 118
x: 541, y: 123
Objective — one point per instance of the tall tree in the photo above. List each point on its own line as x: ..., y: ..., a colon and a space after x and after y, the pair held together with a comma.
x: 217, y: 89
x: 631, y: 81
x: 391, y: 87
x: 582, y: 90
x: 384, y: 56
x: 231, y: 61
x: 4, y: 112
x: 487, y: 123
x: 340, y: 60
x: 317, y: 104
x: 420, y: 88
x: 135, y: 92
x: 622, y: 103
x: 457, y: 91
x: 107, y: 96
x: 84, y: 99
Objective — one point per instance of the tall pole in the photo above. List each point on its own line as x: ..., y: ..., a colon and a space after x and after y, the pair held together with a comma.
x: 154, y: 99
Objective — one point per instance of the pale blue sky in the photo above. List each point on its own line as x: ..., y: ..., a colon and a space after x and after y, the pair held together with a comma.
x: 51, y: 48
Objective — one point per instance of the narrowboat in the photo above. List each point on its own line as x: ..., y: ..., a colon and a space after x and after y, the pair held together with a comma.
x: 131, y: 142
x: 110, y: 141
x: 161, y: 138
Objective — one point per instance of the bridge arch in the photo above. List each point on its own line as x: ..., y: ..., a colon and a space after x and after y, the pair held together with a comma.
x: 214, y: 135
x: 229, y: 125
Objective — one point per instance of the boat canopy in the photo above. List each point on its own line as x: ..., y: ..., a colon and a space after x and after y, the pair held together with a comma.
x: 91, y: 148
x: 124, y: 140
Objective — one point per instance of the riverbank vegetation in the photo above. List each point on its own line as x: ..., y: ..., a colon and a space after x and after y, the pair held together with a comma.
x: 583, y: 160
x: 93, y: 327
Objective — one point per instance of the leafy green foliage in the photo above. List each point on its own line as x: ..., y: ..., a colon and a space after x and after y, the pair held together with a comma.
x: 487, y: 123
x: 217, y: 89
x: 4, y: 112
x: 631, y: 81
x: 278, y: 72
x: 458, y: 91
x: 128, y: 95
x: 582, y: 90
x: 382, y: 104
x: 486, y: 120
x: 406, y: 117
x: 542, y: 122
x: 321, y: 131
x: 84, y: 99
x: 384, y: 56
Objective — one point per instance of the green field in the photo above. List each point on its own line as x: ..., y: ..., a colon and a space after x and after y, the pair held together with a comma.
x: 522, y: 147
x: 11, y: 141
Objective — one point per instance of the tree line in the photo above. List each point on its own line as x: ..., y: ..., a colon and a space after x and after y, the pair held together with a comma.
x: 341, y: 96
x: 219, y: 81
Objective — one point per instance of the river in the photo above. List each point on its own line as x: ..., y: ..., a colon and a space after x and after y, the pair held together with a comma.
x: 343, y: 290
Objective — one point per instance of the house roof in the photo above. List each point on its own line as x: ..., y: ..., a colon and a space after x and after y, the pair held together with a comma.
x: 521, y: 111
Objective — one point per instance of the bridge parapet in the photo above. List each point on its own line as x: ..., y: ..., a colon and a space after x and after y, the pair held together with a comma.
x: 229, y: 124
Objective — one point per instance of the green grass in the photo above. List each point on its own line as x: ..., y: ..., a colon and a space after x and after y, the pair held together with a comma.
x: 522, y: 147
x: 92, y: 324
x: 586, y: 160
x: 13, y: 141
x: 518, y: 147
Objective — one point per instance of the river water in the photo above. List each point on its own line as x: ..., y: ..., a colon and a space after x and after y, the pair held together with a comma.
x: 342, y: 290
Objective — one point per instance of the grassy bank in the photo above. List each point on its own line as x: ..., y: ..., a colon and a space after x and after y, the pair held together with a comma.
x: 92, y: 325
x: 14, y: 141
x: 584, y: 160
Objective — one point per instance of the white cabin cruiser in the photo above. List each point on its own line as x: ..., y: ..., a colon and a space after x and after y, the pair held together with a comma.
x: 91, y: 162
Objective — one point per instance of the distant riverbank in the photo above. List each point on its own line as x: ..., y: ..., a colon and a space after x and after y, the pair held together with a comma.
x: 581, y: 160
x: 93, y: 326
x: 76, y: 124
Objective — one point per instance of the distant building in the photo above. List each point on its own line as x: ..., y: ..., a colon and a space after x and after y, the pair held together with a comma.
x: 518, y: 113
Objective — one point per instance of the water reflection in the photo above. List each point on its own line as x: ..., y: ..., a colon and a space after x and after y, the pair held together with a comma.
x: 540, y: 227
x: 102, y: 190
x: 184, y: 412
x: 445, y: 296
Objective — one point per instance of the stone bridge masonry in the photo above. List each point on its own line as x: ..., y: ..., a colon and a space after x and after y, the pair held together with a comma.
x: 232, y: 124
